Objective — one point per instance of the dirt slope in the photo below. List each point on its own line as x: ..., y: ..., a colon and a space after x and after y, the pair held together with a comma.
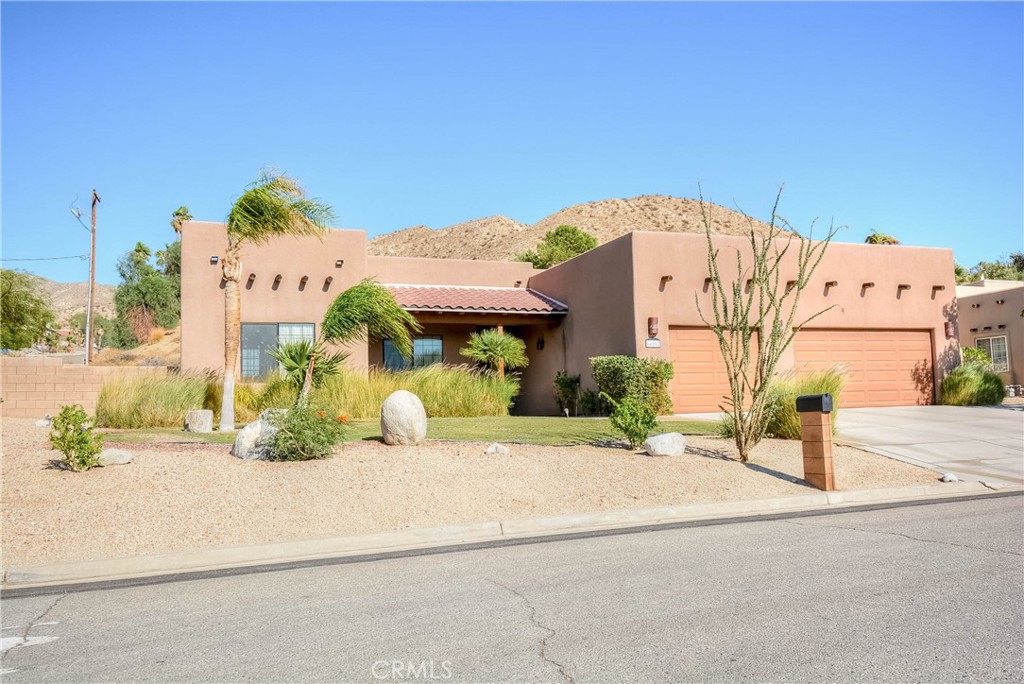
x: 499, y: 237
x: 67, y: 299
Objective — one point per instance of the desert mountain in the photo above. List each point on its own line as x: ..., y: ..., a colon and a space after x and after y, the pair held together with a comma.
x: 67, y: 299
x: 499, y: 237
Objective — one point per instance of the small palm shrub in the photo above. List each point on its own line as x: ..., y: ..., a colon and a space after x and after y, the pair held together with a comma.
x: 72, y: 435
x: 632, y: 418
x: 294, y: 359
x: 496, y: 350
x: 972, y: 385
x: 306, y: 433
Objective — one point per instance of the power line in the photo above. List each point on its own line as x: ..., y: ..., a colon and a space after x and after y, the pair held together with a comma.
x: 76, y: 256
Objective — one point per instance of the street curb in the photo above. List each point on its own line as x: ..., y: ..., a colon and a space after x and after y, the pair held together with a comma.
x: 453, y: 536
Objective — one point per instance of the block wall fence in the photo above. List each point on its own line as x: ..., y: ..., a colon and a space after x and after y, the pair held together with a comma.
x: 33, y: 386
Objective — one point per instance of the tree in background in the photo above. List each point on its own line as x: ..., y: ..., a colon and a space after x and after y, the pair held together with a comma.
x: 558, y: 245
x: 178, y: 218
x: 25, y: 313
x: 272, y: 206
x: 876, y: 238
x: 496, y: 350
x: 1010, y: 269
x: 754, y: 317
x: 146, y: 298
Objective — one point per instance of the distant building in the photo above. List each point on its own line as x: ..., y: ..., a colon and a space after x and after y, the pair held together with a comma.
x: 991, y: 314
x: 891, y: 323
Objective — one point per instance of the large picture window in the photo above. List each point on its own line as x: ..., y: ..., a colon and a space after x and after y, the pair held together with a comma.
x: 426, y: 351
x: 995, y: 347
x: 259, y: 339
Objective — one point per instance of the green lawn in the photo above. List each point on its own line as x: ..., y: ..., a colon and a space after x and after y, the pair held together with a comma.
x: 521, y: 429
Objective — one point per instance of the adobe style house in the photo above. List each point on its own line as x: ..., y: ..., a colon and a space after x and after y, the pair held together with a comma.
x: 891, y: 323
x: 991, y: 314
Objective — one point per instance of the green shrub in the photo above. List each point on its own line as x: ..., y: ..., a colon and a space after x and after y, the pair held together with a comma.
x: 567, y: 393
x: 446, y: 391
x: 976, y: 356
x: 73, y: 436
x: 306, y: 433
x: 150, y: 400
x: 646, y: 380
x: 783, y: 422
x: 972, y: 385
x: 591, y: 404
x: 633, y: 418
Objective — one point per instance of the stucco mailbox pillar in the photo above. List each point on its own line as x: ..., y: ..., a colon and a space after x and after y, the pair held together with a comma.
x: 816, y: 434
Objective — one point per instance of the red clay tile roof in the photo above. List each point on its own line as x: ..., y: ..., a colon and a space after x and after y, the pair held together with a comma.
x: 475, y: 299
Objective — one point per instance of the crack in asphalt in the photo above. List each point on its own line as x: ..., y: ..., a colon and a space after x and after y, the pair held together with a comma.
x: 550, y: 632
x: 905, y: 536
x: 32, y: 623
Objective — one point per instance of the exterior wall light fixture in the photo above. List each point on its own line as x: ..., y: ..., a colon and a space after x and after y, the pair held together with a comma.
x: 214, y: 259
x: 540, y: 343
x: 949, y: 330
x: 339, y: 263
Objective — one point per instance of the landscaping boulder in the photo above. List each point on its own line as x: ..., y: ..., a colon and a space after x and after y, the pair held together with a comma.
x: 949, y: 477
x: 403, y: 419
x: 499, y: 449
x: 112, y: 457
x: 668, y: 444
x: 199, y: 420
x: 255, y: 441
x: 45, y: 422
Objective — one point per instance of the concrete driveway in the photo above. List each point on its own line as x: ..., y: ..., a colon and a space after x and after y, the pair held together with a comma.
x: 975, y: 443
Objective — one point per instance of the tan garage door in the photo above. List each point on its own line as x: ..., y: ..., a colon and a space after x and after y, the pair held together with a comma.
x: 884, y: 367
x: 700, y: 381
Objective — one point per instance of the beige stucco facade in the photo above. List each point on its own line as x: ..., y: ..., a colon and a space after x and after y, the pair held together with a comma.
x: 993, y: 309
x: 611, y: 293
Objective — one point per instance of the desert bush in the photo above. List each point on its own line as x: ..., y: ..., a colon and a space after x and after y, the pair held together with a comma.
x: 633, y: 418
x: 591, y: 403
x: 446, y: 391
x: 150, y: 400
x: 73, y: 436
x: 305, y: 433
x: 783, y: 422
x: 976, y: 356
x: 646, y: 380
x: 156, y: 334
x: 567, y: 392
x: 972, y: 385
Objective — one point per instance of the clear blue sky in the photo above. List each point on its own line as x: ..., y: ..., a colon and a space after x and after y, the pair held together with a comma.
x: 908, y: 118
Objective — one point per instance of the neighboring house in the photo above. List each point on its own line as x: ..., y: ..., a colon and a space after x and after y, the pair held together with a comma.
x: 891, y: 324
x: 991, y: 314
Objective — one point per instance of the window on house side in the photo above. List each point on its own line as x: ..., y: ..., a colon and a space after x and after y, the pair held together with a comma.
x: 995, y: 347
x: 426, y: 351
x: 259, y: 339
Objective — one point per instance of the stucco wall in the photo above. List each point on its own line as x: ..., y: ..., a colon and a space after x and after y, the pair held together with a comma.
x: 598, y: 287
x: 853, y: 306
x: 202, y: 293
x: 982, y: 310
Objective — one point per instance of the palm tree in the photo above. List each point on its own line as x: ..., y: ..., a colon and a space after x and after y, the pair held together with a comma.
x: 496, y: 349
x: 272, y: 206
x: 178, y: 218
x: 877, y: 238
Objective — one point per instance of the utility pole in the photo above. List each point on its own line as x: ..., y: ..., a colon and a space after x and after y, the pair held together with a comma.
x: 92, y: 281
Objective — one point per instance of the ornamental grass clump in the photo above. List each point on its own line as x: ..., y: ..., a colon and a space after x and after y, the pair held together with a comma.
x: 306, y: 433
x: 72, y: 435
x: 150, y: 400
x: 972, y: 385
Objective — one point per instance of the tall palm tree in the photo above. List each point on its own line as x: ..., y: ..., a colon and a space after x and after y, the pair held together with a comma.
x: 178, y: 218
x: 272, y: 206
x: 877, y: 238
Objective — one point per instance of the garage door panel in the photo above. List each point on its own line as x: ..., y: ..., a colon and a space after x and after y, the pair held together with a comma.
x: 700, y: 382
x: 883, y: 367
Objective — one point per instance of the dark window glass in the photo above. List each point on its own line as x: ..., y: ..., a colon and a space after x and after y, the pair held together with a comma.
x: 426, y: 351
x: 259, y: 339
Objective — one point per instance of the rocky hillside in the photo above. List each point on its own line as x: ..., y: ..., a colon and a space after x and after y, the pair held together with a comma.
x: 499, y: 237
x: 67, y: 299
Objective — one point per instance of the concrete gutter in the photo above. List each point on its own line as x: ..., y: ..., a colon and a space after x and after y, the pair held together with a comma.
x: 453, y: 537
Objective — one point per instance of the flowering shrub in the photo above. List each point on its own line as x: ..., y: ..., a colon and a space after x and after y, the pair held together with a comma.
x: 307, y: 433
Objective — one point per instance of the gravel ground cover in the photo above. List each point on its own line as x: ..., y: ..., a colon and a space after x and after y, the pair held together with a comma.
x: 185, y: 496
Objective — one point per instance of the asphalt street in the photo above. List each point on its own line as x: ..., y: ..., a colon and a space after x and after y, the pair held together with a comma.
x: 927, y: 593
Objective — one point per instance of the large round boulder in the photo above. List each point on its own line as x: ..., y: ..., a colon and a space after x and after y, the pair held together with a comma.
x: 403, y: 419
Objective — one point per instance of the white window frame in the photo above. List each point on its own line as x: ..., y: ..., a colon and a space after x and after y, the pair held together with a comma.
x: 286, y: 332
x: 998, y: 367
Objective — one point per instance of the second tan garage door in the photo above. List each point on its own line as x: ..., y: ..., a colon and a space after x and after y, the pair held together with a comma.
x: 884, y: 367
x: 700, y: 383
